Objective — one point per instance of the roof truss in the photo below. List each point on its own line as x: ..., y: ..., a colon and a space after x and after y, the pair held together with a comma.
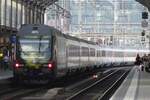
x: 146, y: 3
x: 41, y: 3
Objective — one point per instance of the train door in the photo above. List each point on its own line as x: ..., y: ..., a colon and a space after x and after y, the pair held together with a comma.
x: 84, y: 56
x: 61, y: 56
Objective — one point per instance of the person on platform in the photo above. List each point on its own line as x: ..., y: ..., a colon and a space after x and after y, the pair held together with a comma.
x: 1, y: 60
x: 138, y: 60
x: 6, y: 62
x: 144, y: 62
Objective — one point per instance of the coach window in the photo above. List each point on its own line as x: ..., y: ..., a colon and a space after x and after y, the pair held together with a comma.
x: 109, y: 53
x: 70, y: 50
x: 97, y: 53
x: 92, y: 52
x: 85, y: 51
x: 100, y: 53
x: 103, y: 53
x: 77, y: 51
x: 115, y: 54
x: 74, y: 51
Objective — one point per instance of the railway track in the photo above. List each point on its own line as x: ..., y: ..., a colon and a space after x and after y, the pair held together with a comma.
x: 100, y: 89
x: 11, y: 92
x: 109, y: 91
x: 18, y: 94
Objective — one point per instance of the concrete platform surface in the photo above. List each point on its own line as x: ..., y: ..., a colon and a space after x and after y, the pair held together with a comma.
x: 135, y: 87
x: 5, y: 74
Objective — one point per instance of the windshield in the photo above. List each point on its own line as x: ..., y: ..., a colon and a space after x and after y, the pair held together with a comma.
x: 35, y: 48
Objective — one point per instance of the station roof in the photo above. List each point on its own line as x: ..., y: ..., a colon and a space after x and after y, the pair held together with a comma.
x: 41, y: 3
x: 146, y: 3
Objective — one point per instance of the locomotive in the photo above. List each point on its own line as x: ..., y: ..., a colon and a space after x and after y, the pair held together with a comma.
x: 43, y: 52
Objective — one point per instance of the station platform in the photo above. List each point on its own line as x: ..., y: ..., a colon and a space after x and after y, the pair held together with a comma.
x: 6, y: 74
x: 136, y: 86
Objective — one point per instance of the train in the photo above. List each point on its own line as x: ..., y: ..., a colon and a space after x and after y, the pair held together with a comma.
x: 45, y: 53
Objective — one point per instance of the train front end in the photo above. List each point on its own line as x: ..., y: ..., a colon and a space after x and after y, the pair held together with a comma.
x: 34, y: 58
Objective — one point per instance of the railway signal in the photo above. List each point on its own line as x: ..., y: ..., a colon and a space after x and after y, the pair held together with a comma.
x: 143, y: 33
x: 144, y: 15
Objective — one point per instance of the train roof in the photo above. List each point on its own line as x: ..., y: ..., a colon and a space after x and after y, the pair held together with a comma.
x: 46, y: 30
x: 78, y: 39
x: 35, y: 28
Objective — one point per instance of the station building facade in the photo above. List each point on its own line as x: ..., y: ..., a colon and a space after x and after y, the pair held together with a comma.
x: 107, y: 21
x: 14, y: 13
x: 58, y: 15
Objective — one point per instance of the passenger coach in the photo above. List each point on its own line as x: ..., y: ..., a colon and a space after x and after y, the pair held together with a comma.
x: 43, y: 52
